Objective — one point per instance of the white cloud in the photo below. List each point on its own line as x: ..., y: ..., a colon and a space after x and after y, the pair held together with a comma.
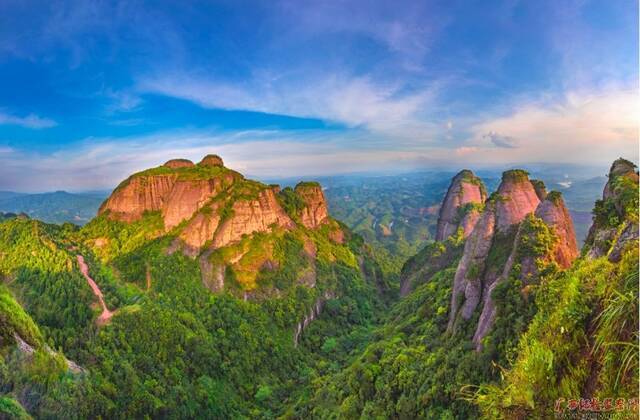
x: 122, y: 100
x: 29, y: 121
x: 583, y: 127
x: 353, y: 101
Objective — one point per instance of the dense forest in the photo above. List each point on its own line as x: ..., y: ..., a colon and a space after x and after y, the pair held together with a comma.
x: 303, y: 318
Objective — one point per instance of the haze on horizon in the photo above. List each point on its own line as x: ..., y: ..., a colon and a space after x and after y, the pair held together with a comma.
x: 92, y: 91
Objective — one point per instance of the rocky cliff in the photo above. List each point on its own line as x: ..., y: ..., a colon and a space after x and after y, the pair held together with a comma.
x: 520, y: 228
x: 615, y: 224
x: 209, y: 204
x: 228, y: 222
x: 177, y: 189
x: 315, y: 212
x: 555, y: 214
x: 457, y: 209
x: 516, y: 198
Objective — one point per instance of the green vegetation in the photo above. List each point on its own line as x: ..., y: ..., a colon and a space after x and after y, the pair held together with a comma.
x: 552, y: 361
x: 12, y: 410
x: 515, y: 175
x: 470, y: 178
x: 468, y: 208
x: 555, y: 197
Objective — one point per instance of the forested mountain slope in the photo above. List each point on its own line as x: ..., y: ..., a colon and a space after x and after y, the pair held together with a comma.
x: 213, y: 282
x: 509, y: 323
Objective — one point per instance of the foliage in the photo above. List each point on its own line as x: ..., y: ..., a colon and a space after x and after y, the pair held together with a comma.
x: 515, y: 175
x: 12, y: 410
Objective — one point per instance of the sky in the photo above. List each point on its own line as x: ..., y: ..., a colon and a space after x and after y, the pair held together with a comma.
x: 91, y: 91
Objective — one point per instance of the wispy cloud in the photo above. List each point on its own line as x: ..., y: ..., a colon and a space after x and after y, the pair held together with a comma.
x: 353, y: 101
x: 596, y: 126
x: 122, y: 100
x: 498, y: 140
x: 28, y: 121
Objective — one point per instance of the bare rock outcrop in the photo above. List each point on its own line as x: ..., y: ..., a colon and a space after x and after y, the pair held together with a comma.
x: 612, y: 228
x: 516, y: 198
x: 249, y: 216
x: 488, y: 314
x: 491, y: 250
x: 555, y: 215
x: 187, y: 197
x: 137, y: 195
x: 315, y: 212
x: 467, y: 284
x: 179, y: 163
x: 211, y: 160
x: 465, y: 188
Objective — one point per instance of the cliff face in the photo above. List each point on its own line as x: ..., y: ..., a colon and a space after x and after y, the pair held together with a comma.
x: 210, y: 203
x: 517, y: 197
x: 177, y: 189
x: 465, y: 188
x: 615, y: 223
x: 467, y: 285
x: 555, y: 214
x: 130, y: 201
x: 249, y: 216
x: 506, y: 236
x: 315, y: 211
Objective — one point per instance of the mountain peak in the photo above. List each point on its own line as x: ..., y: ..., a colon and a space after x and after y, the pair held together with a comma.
x: 457, y: 210
x: 179, y: 163
x: 211, y: 205
x: 211, y: 160
x: 516, y: 197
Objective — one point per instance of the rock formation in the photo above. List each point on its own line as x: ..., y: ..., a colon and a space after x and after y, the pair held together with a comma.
x: 179, y: 163
x: 249, y: 216
x: 465, y: 188
x: 208, y: 205
x: 612, y: 228
x: 555, y: 214
x: 211, y: 160
x: 315, y: 211
x: 467, y: 282
x: 516, y: 197
x: 500, y: 240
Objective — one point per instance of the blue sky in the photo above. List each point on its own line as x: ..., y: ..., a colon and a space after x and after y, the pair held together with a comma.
x: 91, y: 91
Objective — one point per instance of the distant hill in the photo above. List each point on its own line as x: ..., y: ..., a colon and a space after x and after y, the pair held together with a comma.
x: 4, y: 195
x: 53, y: 207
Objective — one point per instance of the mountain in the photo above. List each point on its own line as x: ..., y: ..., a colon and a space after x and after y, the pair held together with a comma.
x: 199, y: 293
x: 464, y: 195
x: 194, y: 293
x: 53, y: 207
x: 510, y: 322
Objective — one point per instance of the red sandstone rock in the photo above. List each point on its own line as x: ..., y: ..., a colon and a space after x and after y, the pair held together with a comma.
x: 179, y: 163
x: 465, y: 188
x: 315, y: 212
x: 137, y: 195
x: 555, y: 215
x: 516, y: 199
x: 211, y: 160
x: 249, y: 216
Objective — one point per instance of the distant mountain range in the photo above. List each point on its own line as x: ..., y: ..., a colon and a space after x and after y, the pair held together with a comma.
x: 53, y: 207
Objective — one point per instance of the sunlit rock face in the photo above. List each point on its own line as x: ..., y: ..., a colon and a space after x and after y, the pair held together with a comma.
x: 211, y: 205
x: 497, y: 245
x: 465, y: 188
x: 315, y: 211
